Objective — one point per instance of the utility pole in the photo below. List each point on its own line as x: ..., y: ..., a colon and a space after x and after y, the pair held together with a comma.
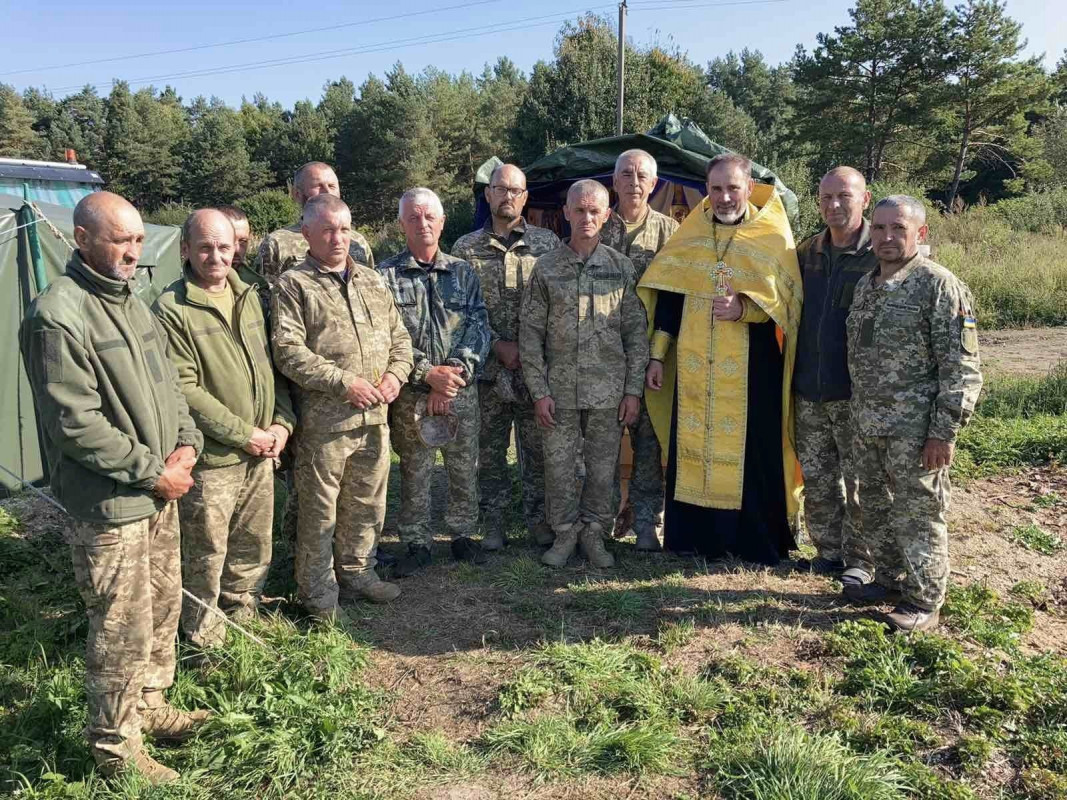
x: 622, y: 68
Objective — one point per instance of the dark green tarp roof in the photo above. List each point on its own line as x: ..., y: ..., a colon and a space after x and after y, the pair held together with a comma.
x: 681, y: 150
x: 160, y: 264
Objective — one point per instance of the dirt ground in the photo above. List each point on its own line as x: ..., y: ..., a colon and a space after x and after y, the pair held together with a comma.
x: 1031, y: 351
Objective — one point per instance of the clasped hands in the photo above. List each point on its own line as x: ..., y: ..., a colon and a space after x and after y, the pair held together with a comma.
x: 177, y: 478
x: 363, y: 394
x: 267, y: 443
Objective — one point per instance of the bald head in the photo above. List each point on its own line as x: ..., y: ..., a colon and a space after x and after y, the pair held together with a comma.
x: 843, y: 197
x: 506, y: 194
x: 314, y: 178
x: 208, y: 242
x: 109, y: 234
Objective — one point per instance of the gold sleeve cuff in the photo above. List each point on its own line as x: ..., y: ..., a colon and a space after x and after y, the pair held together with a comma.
x: 751, y: 311
x: 661, y: 344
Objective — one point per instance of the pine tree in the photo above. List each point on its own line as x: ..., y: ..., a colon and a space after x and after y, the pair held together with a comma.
x: 217, y: 166
x: 18, y: 139
x: 985, y: 100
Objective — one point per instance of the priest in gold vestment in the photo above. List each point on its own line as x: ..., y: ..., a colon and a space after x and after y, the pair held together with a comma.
x: 723, y: 297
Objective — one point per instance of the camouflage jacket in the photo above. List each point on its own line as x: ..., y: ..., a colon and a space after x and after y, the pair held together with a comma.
x: 913, y: 353
x: 331, y: 328
x: 583, y: 336
x: 641, y: 245
x: 503, y: 267
x: 286, y: 247
x: 443, y: 310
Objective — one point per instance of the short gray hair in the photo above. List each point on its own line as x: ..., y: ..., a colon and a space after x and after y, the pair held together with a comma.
x: 322, y: 204
x: 904, y: 201
x: 633, y: 153
x: 588, y: 186
x: 417, y: 194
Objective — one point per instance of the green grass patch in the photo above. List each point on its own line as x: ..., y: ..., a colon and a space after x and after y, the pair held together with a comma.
x: 976, y: 611
x: 1034, y: 537
x: 520, y: 575
x: 610, y: 603
x: 673, y: 635
x: 1050, y: 500
x: 990, y: 445
x: 792, y: 764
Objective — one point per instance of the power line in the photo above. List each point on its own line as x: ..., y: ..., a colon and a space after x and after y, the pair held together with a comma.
x: 265, y: 38
x: 432, y: 38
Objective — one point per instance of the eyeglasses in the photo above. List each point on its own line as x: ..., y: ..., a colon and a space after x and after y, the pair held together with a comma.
x: 510, y: 191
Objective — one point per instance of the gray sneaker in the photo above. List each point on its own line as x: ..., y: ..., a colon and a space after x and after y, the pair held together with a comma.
x: 906, y: 617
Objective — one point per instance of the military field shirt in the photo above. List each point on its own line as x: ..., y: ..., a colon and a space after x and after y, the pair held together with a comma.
x: 331, y: 328
x: 286, y: 247
x: 443, y: 310
x: 503, y: 266
x: 583, y: 335
x: 913, y: 353
x: 641, y: 244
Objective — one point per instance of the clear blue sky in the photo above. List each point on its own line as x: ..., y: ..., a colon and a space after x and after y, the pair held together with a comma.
x: 78, y: 31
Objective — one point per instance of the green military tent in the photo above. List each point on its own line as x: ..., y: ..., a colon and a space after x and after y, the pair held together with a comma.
x: 681, y: 149
x: 35, y: 245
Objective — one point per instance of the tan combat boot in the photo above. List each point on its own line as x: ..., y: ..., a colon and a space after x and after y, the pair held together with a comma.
x: 563, y: 547
x: 153, y: 772
x: 592, y: 542
x: 370, y: 587
x: 161, y: 720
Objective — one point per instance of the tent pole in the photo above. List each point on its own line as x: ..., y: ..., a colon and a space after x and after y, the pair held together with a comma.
x: 622, y: 68
x: 27, y: 217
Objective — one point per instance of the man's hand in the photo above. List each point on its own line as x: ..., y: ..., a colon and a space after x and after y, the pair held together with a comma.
x: 174, y: 482
x: 446, y: 380
x: 544, y: 412
x: 654, y: 375
x: 389, y: 386
x: 507, y: 353
x: 628, y: 409
x: 937, y: 453
x: 281, y: 438
x: 260, y: 443
x: 363, y: 395
x: 438, y: 404
x: 185, y: 455
x: 728, y: 308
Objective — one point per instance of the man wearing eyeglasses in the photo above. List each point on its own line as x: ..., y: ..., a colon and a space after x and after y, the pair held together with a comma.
x: 503, y: 254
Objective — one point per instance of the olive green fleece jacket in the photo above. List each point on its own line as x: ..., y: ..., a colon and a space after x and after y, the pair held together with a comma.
x: 224, y: 367
x: 107, y: 396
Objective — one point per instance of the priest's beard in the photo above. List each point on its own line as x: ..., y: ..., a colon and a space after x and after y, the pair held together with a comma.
x: 731, y: 217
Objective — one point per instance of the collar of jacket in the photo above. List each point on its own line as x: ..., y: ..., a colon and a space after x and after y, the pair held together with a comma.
x: 617, y: 217
x: 595, y: 258
x: 909, y: 267
x: 343, y: 275
x: 440, y: 261
x: 194, y: 293
x: 822, y: 243
x: 114, y: 291
x: 520, y: 229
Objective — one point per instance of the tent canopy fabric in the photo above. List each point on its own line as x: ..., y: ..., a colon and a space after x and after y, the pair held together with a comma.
x: 681, y: 149
x: 160, y: 264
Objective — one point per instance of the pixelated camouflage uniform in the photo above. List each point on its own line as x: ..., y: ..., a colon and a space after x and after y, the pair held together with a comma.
x: 503, y: 266
x: 331, y: 328
x: 822, y: 392
x: 913, y: 356
x: 583, y: 341
x: 646, y: 489
x: 442, y: 307
x: 111, y: 413
x: 279, y: 251
x: 227, y: 375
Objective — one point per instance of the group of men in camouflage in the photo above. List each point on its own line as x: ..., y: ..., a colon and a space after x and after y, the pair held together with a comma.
x: 177, y: 419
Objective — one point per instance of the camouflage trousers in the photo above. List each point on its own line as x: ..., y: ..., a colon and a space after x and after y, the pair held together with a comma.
x: 903, y: 518
x: 414, y: 525
x: 227, y: 520
x: 831, y: 492
x: 494, y: 481
x: 646, y: 482
x: 341, y: 480
x: 593, y: 435
x: 130, y: 579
